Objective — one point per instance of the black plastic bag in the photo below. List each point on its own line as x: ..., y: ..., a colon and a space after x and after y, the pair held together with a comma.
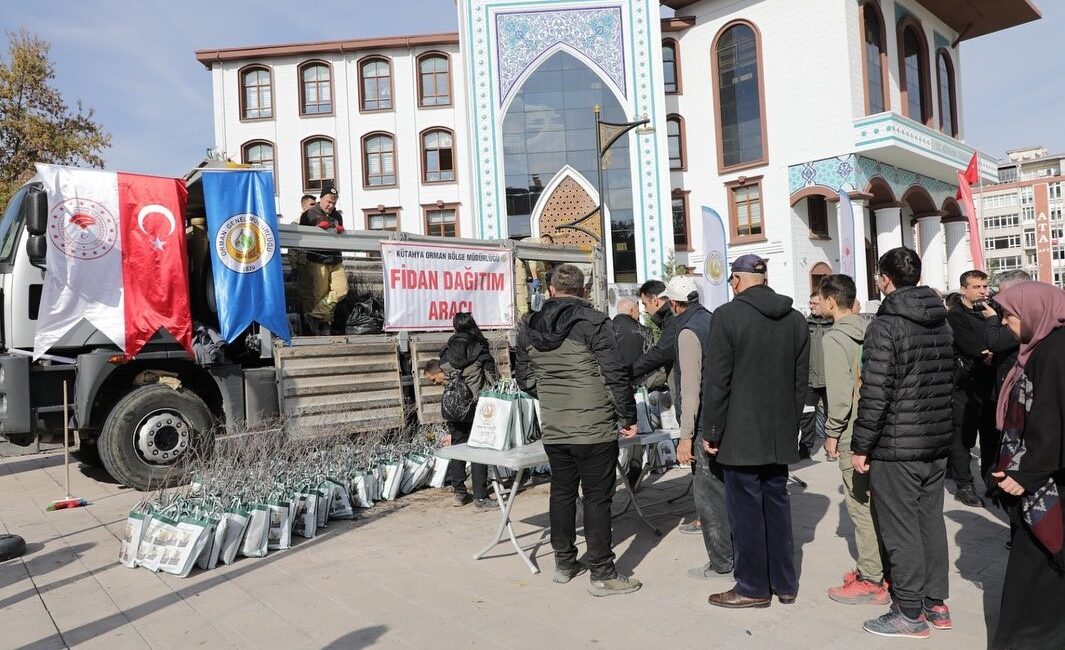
x: 366, y: 317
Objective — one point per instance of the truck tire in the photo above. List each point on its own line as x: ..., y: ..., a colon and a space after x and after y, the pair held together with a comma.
x: 150, y: 434
x: 11, y: 546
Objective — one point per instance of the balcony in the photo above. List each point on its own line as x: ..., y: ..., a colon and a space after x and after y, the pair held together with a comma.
x: 899, y: 141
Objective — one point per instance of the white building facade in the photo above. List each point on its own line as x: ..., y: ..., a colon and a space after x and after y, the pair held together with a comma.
x: 762, y: 110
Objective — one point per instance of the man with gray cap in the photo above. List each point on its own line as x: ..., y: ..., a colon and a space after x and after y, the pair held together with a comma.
x: 691, y: 368
x: 322, y: 280
x: 752, y: 400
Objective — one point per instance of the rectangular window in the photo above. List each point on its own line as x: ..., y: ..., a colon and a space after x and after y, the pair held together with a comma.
x: 1029, y: 239
x: 1028, y: 213
x: 1027, y: 198
x: 1055, y: 190
x: 680, y: 221
x: 817, y: 212
x: 1002, y: 243
x: 999, y: 264
x: 745, y: 212
x: 1002, y: 221
x: 441, y: 223
x: 382, y: 221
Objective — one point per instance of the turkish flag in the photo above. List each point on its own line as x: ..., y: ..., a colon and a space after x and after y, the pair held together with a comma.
x: 971, y: 174
x: 155, y: 277
x: 976, y: 249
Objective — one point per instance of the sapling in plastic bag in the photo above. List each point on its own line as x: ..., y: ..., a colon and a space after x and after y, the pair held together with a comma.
x: 256, y: 537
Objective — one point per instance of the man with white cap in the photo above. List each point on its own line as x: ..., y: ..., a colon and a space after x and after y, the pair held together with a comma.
x: 690, y: 367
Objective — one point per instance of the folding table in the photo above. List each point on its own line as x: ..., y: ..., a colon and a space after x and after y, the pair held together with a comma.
x: 653, y: 438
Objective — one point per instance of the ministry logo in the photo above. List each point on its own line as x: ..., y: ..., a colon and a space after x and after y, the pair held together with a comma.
x: 245, y: 243
x: 714, y: 268
x: 82, y: 229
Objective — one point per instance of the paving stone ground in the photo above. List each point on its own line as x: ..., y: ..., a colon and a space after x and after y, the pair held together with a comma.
x: 402, y: 576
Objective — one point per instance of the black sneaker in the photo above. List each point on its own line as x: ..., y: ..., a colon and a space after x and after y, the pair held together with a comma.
x: 459, y: 499
x: 483, y: 505
x: 967, y: 496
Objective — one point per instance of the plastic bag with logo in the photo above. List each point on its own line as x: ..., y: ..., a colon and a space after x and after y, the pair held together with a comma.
x: 257, y: 535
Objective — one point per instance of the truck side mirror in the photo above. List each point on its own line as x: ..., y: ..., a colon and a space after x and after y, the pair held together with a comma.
x: 37, y: 250
x: 35, y: 211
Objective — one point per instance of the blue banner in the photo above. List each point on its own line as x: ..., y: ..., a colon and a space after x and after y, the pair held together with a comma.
x: 245, y: 251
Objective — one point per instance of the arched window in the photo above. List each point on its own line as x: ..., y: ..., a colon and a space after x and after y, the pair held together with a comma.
x: 378, y: 160
x: 375, y: 76
x: 319, y: 168
x: 874, y: 59
x: 913, y: 71
x: 316, y: 84
x: 256, y: 93
x: 948, y: 104
x: 737, y: 69
x: 438, y: 156
x: 675, y: 140
x: 671, y: 65
x: 434, y: 74
x: 260, y: 153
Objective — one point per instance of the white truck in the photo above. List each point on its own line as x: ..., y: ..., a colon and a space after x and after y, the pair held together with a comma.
x: 141, y: 418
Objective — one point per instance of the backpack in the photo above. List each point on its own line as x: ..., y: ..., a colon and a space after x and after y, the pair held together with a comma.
x: 458, y: 401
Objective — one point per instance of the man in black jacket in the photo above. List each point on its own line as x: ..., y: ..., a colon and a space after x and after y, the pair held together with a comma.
x: 322, y: 280
x: 634, y: 338
x: 816, y: 398
x: 979, y: 335
x: 567, y: 356
x: 753, y: 395
x: 660, y: 356
x: 902, y: 438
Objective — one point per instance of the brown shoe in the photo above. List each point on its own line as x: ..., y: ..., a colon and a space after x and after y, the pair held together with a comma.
x: 733, y: 600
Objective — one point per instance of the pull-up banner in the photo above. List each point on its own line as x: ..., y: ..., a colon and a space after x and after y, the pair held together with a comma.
x: 427, y: 284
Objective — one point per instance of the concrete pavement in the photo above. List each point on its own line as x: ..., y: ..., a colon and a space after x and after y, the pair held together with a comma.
x: 402, y: 576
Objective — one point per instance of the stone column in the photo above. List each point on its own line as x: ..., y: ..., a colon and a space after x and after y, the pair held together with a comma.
x: 958, y: 258
x: 861, y: 218
x: 933, y: 250
x: 888, y: 227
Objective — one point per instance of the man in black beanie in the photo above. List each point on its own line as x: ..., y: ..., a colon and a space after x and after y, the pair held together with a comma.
x: 322, y: 280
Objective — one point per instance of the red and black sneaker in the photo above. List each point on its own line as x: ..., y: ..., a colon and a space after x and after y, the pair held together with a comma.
x: 938, y: 616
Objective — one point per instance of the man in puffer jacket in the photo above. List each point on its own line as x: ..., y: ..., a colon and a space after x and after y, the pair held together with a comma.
x: 567, y: 354
x: 902, y: 438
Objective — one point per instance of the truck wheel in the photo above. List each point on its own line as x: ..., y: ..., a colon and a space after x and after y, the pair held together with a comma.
x: 150, y: 434
x: 11, y: 546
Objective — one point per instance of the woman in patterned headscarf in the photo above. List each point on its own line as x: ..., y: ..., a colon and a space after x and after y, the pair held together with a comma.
x: 1031, y: 469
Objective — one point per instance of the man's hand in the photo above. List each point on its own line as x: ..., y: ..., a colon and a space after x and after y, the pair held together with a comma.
x: 324, y: 225
x: 860, y: 463
x: 710, y: 448
x: 1007, y: 484
x: 988, y: 357
x: 627, y: 432
x: 684, y: 452
x: 446, y: 441
x: 832, y: 447
x: 989, y: 311
x: 340, y: 229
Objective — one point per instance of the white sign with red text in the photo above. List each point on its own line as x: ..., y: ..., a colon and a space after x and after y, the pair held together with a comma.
x: 427, y: 284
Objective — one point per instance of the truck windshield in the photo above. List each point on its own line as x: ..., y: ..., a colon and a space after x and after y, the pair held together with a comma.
x: 10, y: 226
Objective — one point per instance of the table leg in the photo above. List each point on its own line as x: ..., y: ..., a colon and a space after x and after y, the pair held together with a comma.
x: 635, y: 504
x: 506, y: 503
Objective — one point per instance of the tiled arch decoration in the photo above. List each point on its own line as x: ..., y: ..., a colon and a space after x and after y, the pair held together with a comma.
x: 568, y: 202
x: 498, y: 46
x: 852, y: 173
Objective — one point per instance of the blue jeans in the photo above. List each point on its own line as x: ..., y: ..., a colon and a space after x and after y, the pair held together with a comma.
x: 759, y: 510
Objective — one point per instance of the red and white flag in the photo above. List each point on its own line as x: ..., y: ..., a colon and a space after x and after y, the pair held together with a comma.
x: 116, y: 257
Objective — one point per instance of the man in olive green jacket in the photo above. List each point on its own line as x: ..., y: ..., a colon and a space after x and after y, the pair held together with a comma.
x: 567, y: 357
x: 842, y: 364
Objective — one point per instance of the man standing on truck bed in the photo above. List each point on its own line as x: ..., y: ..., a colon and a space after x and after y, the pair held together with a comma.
x: 322, y: 280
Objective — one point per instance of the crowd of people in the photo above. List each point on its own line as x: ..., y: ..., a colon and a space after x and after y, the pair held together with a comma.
x: 899, y: 399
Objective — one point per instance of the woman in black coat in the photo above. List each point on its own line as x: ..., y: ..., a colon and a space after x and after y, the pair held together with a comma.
x: 1031, y: 470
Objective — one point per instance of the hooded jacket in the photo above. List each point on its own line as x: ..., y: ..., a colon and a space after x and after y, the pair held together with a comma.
x: 755, y: 385
x: 842, y: 357
x: 471, y: 357
x: 904, y: 410
x: 567, y: 356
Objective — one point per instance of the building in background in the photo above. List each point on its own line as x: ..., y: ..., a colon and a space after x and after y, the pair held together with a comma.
x: 1022, y: 215
x: 762, y: 110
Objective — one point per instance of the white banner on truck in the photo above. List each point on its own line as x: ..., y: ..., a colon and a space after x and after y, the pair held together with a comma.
x: 427, y: 284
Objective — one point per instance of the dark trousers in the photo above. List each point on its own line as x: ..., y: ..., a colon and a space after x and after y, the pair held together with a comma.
x: 973, y: 412
x: 1033, y: 596
x: 908, y: 512
x: 759, y: 510
x: 811, y: 438
x: 708, y: 487
x: 592, y: 469
x: 456, y: 470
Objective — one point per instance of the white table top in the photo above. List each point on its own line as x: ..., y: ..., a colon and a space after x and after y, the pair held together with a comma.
x: 534, y: 454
